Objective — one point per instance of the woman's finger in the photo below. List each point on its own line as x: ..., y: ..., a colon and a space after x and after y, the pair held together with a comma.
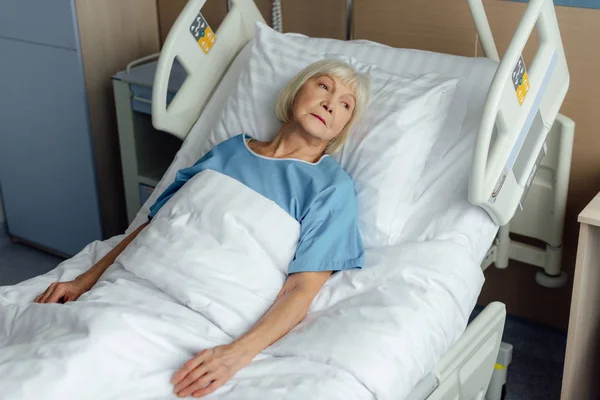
x: 189, y: 367
x: 43, y: 295
x: 197, y: 385
x: 37, y: 299
x: 57, y: 293
x: 190, y: 378
x: 47, y: 293
x: 214, y: 385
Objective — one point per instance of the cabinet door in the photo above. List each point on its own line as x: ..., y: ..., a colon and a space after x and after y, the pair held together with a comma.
x: 46, y: 164
x: 39, y: 21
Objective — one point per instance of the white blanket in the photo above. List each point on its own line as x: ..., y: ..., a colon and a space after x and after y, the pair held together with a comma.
x: 206, y: 268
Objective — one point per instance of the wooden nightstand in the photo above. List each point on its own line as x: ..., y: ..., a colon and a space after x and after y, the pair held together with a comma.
x: 582, y: 360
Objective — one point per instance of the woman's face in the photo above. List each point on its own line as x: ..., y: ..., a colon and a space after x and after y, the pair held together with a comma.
x: 323, y: 106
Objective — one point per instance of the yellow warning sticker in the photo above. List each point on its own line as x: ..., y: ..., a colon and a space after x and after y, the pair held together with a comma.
x: 203, y: 34
x: 523, y: 88
x: 207, y: 41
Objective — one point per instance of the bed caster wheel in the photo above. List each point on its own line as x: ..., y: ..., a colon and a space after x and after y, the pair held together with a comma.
x: 549, y: 281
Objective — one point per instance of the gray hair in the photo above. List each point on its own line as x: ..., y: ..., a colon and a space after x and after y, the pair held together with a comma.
x: 334, y: 68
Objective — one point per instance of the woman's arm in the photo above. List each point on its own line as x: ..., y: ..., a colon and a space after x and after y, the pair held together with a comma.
x: 289, y: 309
x: 214, y: 367
x: 70, y: 291
x: 91, y: 276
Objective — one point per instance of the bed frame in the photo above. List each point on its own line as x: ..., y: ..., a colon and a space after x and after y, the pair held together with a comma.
x: 518, y: 128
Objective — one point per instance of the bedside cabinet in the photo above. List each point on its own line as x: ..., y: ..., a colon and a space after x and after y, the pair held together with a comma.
x: 146, y: 152
x: 582, y: 359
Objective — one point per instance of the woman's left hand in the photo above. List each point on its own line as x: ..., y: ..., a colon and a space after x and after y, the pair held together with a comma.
x: 208, y: 371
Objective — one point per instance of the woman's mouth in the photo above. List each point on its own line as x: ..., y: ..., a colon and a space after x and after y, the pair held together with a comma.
x: 319, y: 118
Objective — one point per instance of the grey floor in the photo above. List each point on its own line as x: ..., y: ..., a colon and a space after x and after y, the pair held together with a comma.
x: 538, y: 356
x: 539, y: 351
x: 19, y: 262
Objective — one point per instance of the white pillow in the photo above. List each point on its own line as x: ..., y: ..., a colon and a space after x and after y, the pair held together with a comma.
x: 387, y: 149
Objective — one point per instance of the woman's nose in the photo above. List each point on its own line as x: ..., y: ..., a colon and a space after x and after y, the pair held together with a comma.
x: 327, y: 108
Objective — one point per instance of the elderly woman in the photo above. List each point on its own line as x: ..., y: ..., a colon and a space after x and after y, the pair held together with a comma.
x: 294, y: 170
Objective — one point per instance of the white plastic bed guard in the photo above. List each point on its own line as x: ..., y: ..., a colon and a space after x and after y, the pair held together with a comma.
x: 513, y: 129
x: 204, y: 69
x: 519, y: 111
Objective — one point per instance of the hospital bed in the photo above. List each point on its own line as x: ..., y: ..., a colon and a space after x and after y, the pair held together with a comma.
x: 517, y: 126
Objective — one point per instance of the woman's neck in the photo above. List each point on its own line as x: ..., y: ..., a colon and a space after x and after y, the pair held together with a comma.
x: 289, y: 143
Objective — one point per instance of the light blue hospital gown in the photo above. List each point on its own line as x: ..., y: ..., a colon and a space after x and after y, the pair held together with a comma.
x: 320, y: 196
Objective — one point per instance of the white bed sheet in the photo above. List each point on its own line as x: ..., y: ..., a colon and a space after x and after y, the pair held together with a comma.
x: 125, y: 339
x: 446, y: 238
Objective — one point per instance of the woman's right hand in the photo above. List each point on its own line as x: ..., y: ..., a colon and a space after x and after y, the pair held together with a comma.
x: 62, y: 292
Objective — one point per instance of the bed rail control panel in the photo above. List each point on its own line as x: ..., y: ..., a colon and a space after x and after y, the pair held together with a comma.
x: 202, y: 33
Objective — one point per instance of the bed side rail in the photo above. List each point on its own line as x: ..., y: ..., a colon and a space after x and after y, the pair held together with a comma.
x: 204, y: 69
x: 464, y: 373
x: 520, y: 109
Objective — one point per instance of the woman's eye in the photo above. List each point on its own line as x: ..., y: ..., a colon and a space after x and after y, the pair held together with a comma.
x: 346, y: 105
x: 324, y: 86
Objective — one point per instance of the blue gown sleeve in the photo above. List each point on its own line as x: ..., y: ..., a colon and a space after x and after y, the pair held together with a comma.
x: 329, y: 236
x: 182, y: 176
